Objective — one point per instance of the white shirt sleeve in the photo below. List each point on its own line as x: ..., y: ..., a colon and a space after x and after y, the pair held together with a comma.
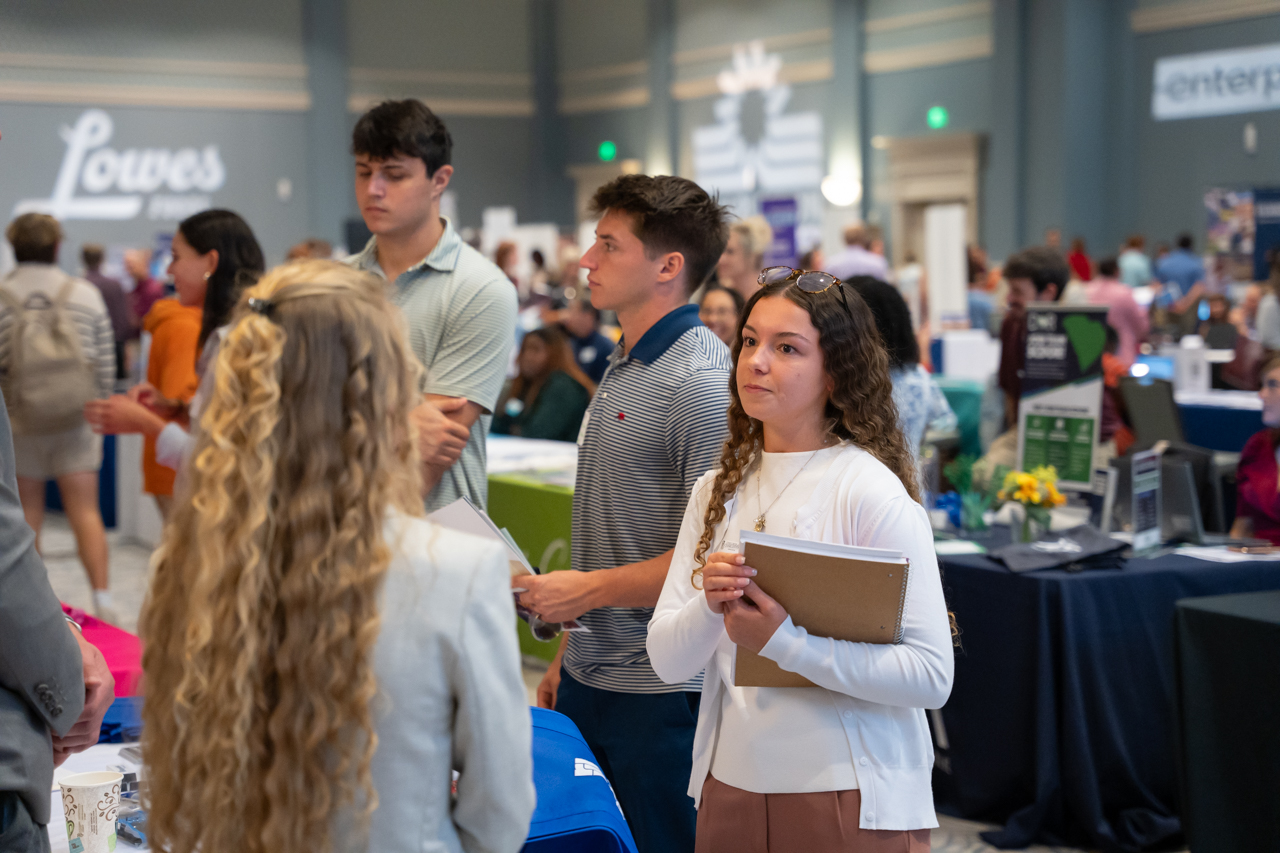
x: 171, y: 445
x: 915, y: 673
x: 683, y: 631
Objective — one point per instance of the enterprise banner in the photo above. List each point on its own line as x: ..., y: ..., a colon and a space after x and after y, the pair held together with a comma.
x: 1217, y: 83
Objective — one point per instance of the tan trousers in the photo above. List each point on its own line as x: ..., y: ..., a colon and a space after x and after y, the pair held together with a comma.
x: 731, y: 820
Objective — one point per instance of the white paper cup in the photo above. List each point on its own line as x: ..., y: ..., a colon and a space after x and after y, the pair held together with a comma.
x: 90, y: 802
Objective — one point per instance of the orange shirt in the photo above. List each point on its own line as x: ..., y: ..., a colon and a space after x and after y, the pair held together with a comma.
x: 171, y: 368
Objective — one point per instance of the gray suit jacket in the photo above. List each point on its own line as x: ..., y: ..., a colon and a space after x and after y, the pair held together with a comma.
x: 41, y: 674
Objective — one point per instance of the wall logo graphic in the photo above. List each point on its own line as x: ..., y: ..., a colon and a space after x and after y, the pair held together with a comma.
x: 755, y: 145
x: 90, y: 169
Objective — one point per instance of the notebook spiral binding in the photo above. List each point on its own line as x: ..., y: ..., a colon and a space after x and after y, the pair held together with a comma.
x: 902, y: 602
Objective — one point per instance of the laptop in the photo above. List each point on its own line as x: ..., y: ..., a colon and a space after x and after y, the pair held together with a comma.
x: 1180, y: 517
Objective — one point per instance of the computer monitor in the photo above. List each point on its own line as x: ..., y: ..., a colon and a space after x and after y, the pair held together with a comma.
x: 1152, y: 411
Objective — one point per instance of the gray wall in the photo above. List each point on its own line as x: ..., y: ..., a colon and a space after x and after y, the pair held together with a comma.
x: 1061, y: 92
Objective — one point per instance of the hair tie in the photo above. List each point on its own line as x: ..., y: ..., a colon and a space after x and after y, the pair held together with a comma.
x: 261, y: 306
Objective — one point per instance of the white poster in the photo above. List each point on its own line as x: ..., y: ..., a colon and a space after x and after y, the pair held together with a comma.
x: 1216, y: 83
x: 946, y: 266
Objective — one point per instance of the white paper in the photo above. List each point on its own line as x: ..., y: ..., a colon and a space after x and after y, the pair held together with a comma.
x: 466, y: 517
x: 822, y: 549
x: 957, y: 547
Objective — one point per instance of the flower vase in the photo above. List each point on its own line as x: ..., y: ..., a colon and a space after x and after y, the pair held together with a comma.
x: 1035, y: 521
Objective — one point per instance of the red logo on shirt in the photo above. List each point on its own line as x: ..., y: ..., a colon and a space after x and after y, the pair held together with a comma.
x: 622, y: 416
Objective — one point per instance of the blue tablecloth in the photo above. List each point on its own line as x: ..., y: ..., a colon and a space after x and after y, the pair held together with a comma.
x: 1061, y: 719
x: 1219, y: 427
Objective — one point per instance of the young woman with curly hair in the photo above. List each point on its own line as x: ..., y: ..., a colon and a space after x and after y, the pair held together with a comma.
x: 814, y: 452
x: 318, y: 656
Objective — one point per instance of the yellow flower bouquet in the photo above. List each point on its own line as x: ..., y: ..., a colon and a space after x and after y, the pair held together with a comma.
x: 1037, y: 491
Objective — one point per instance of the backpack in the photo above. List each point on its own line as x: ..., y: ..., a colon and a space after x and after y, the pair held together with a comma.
x: 49, y: 380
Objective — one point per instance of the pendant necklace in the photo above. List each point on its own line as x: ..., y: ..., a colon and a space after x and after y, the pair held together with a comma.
x: 759, y: 526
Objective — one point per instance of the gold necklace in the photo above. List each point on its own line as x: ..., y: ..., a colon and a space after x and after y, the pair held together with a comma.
x: 760, y: 518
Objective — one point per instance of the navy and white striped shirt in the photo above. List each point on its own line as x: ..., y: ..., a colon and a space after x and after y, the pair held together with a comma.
x: 657, y: 423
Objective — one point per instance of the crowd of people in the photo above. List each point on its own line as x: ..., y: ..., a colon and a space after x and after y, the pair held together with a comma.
x: 319, y: 656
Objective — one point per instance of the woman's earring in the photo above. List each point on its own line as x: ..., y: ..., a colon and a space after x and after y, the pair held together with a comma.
x: 206, y: 276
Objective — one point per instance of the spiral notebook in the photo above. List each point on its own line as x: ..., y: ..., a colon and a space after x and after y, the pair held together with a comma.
x: 839, y: 591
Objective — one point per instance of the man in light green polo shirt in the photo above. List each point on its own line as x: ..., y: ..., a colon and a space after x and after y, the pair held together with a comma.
x: 460, y: 309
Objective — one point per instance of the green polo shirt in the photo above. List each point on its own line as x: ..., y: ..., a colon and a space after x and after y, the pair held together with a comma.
x: 460, y: 312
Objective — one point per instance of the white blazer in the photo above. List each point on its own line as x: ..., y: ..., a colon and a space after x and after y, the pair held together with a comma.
x: 450, y: 697
x: 879, y: 690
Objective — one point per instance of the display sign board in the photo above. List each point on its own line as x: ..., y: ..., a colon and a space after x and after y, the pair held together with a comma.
x: 1216, y: 83
x: 1060, y: 411
x: 782, y: 216
x: 1266, y: 231
x: 1146, y: 501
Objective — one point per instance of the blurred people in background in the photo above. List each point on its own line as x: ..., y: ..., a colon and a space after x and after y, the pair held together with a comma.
x: 581, y: 321
x: 1123, y: 313
x: 743, y: 257
x: 1038, y: 274
x: 217, y: 258
x: 1078, y: 260
x: 920, y: 402
x: 812, y: 259
x: 504, y: 258
x: 47, y: 381
x: 1053, y: 239
x: 720, y: 309
x: 1244, y: 315
x: 124, y: 325
x: 549, y: 396
x: 1135, y: 266
x: 981, y: 301
x: 1268, y: 315
x: 146, y: 287
x: 310, y: 248
x: 857, y: 258
x: 540, y: 278
x: 909, y: 279
x: 1181, y: 274
x: 1258, y: 473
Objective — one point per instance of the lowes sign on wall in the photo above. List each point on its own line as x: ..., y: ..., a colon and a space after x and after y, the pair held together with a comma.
x: 1217, y: 83
x: 97, y: 182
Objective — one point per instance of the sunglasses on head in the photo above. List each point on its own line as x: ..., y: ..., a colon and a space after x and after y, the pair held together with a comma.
x: 810, y: 281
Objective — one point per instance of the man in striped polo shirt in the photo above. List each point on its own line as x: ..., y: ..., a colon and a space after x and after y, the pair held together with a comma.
x: 656, y: 424
x: 460, y: 309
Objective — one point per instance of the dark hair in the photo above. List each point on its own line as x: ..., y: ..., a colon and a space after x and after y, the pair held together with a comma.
x: 1185, y: 241
x: 403, y: 129
x: 35, y: 238
x: 1044, y: 266
x: 738, y: 302
x: 1136, y: 241
x: 1077, y: 244
x: 92, y: 254
x: 893, y: 319
x: 559, y: 357
x: 670, y: 214
x: 1108, y: 268
x: 240, y: 262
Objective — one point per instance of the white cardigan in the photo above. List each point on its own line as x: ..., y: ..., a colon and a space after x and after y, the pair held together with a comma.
x: 880, y: 690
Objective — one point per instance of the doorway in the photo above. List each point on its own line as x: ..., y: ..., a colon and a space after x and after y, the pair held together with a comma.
x: 930, y: 170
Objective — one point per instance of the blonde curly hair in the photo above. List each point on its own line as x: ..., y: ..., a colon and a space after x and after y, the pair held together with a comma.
x: 263, y: 608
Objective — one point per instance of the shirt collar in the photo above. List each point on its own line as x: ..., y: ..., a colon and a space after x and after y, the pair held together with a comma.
x: 661, y: 335
x: 443, y: 258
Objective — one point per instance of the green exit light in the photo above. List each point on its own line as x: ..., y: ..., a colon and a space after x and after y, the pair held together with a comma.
x: 937, y: 117
x: 608, y: 151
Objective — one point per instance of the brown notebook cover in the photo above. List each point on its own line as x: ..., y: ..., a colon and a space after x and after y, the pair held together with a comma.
x: 838, y: 597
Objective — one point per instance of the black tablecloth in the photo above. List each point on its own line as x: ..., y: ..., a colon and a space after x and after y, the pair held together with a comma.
x: 1228, y: 656
x: 1061, y: 718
